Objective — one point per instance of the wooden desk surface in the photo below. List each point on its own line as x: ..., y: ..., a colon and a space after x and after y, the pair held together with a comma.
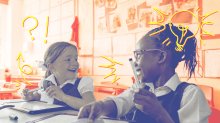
x: 110, y: 85
x: 103, y: 86
x: 7, y: 90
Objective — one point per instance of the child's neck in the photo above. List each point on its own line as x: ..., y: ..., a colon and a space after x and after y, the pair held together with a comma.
x: 164, y: 78
x: 62, y: 79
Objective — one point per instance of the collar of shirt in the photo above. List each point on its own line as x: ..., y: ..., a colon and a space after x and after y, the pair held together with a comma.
x: 170, y: 85
x: 53, y: 80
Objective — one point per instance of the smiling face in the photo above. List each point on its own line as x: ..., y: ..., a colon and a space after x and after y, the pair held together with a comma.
x: 66, y: 64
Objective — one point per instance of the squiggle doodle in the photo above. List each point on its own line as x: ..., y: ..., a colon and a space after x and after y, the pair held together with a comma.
x: 21, y: 68
x: 111, y: 66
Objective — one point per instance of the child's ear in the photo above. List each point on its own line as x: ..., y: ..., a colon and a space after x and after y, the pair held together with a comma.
x: 162, y: 57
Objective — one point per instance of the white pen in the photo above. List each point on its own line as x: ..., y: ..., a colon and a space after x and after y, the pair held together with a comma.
x: 134, y: 70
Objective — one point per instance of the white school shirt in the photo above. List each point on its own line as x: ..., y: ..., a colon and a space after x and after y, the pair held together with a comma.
x: 194, y: 107
x: 85, y: 85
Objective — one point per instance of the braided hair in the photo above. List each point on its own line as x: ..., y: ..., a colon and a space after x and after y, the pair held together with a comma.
x: 180, y: 41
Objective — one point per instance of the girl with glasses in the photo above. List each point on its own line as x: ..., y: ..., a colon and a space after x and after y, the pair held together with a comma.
x: 157, y: 55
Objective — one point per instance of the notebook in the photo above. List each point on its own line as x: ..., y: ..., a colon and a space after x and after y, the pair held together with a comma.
x: 36, y: 107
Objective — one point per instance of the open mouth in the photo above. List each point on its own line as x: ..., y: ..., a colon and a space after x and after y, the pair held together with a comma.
x: 73, y: 69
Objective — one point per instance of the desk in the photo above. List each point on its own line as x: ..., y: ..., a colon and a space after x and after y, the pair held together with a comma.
x: 11, y: 88
x: 33, y: 80
x: 118, y: 88
x: 7, y: 93
x: 27, y: 77
x: 26, y: 118
x: 23, y: 117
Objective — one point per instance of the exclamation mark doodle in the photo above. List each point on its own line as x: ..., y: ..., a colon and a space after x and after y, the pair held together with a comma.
x: 46, y: 33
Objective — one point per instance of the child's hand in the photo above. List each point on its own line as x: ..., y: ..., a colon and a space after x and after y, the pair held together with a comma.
x: 147, y: 102
x: 55, y: 92
x: 26, y: 95
x: 92, y: 111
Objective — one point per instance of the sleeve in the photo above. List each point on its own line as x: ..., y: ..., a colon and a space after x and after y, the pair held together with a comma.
x: 43, y: 95
x: 194, y: 106
x: 85, y: 85
x: 124, y: 101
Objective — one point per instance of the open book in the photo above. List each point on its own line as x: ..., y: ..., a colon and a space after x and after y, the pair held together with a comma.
x: 36, y: 107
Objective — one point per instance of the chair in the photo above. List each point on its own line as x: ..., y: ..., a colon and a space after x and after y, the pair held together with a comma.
x: 208, y: 91
x: 214, y: 117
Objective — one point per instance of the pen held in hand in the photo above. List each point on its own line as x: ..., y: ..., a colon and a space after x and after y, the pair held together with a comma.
x: 134, y: 68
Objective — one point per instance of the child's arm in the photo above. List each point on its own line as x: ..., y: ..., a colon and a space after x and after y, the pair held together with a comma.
x: 77, y: 103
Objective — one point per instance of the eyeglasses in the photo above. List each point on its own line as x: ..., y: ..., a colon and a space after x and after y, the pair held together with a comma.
x: 139, y: 53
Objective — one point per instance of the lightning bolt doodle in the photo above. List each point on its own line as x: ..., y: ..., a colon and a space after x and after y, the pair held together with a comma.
x: 111, y: 66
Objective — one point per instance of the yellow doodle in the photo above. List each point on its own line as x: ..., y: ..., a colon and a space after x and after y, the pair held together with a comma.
x: 179, y: 40
x: 34, y: 27
x: 111, y: 66
x: 46, y: 33
x: 21, y: 68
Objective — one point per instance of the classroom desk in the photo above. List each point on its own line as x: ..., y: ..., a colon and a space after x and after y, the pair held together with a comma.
x: 27, y: 118
x: 7, y: 93
x: 118, y: 88
x: 27, y: 77
x: 23, y: 117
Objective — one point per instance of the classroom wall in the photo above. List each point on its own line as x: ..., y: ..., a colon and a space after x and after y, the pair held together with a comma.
x: 11, y: 35
x: 16, y: 36
x: 61, y: 16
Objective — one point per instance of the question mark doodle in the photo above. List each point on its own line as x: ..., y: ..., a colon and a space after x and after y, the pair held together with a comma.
x: 31, y: 29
